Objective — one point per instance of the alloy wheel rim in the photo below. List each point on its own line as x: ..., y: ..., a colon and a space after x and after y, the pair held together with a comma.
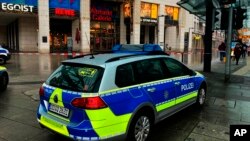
x: 142, y: 128
x: 202, y: 96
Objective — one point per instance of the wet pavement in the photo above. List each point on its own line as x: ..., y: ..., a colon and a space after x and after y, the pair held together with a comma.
x: 227, y: 103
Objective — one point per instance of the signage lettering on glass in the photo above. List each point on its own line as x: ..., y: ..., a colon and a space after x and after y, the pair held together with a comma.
x: 101, y: 14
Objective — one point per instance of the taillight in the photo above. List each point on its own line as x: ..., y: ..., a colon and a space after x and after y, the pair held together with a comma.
x: 41, y: 91
x: 89, y: 103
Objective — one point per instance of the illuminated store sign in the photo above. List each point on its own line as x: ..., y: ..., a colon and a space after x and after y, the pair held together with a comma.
x: 101, y: 14
x: 147, y: 20
x: 64, y: 12
x: 68, y: 8
x: 66, y: 4
x: 23, y: 2
x: 16, y: 7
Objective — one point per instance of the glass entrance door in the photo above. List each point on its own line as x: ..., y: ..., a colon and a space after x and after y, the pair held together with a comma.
x: 60, y: 29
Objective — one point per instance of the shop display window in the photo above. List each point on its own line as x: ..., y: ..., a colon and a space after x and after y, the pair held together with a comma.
x: 59, y: 31
x: 103, y: 35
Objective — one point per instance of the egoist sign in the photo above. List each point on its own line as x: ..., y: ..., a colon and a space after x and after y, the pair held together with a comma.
x: 16, y: 7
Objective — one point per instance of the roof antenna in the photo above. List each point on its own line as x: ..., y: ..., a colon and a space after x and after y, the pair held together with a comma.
x: 92, y: 53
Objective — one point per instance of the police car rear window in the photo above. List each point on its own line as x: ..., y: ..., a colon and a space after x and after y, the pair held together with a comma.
x: 76, y: 78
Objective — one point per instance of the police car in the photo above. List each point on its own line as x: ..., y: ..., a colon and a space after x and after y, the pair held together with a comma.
x: 4, y: 55
x: 4, y: 78
x: 117, y: 95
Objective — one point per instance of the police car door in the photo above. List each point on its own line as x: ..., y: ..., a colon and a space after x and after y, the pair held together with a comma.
x: 156, y: 84
x: 184, y: 82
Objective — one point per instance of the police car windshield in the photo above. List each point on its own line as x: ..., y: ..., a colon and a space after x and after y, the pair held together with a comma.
x: 76, y: 78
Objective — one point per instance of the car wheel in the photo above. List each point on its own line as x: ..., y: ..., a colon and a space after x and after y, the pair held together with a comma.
x: 201, y: 96
x: 4, y: 80
x: 140, y: 128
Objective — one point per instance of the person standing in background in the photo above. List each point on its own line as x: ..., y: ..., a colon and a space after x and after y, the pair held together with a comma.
x: 222, y: 50
x: 237, y: 52
x: 248, y: 51
x: 244, y: 50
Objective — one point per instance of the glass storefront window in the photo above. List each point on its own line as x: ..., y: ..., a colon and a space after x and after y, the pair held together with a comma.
x: 104, y: 25
x: 103, y: 35
x: 172, y: 15
x: 60, y: 29
x: 58, y: 42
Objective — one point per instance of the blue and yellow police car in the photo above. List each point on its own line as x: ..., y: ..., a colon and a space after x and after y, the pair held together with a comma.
x: 117, y: 95
x: 4, y: 78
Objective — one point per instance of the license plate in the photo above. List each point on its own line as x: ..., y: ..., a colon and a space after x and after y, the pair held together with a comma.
x: 59, y: 110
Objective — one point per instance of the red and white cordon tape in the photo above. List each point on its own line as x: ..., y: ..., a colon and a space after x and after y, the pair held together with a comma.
x: 61, y: 54
x: 82, y: 53
x: 178, y: 53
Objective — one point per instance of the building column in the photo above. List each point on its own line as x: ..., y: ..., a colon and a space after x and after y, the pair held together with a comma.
x: 181, y: 40
x: 43, y: 33
x: 135, y: 35
x: 190, y: 40
x: 85, y: 25
x: 122, y: 26
x: 161, y: 25
x: 171, y: 37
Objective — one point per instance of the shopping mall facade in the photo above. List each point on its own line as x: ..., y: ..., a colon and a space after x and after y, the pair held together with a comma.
x: 52, y: 25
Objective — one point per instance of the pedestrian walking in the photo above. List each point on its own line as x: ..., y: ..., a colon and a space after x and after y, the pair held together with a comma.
x: 237, y: 52
x: 244, y: 51
x: 248, y: 51
x: 222, y: 50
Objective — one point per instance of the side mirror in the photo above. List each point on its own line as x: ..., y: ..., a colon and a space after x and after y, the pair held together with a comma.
x: 192, y: 73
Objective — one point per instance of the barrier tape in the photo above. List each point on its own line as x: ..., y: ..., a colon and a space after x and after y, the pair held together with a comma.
x: 77, y: 53
x: 61, y: 54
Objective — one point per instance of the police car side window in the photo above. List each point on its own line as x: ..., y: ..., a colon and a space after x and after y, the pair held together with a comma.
x: 148, y: 70
x: 176, y: 68
x: 124, y: 76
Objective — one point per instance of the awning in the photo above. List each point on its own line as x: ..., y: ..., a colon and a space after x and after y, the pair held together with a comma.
x: 197, y: 7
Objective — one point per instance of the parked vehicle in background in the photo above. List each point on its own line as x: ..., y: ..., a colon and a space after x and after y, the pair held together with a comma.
x: 4, y: 78
x: 4, y: 55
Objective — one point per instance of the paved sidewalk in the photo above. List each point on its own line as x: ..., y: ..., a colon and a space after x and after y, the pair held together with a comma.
x: 227, y: 103
x: 240, y: 74
x: 245, y: 71
x: 218, y: 66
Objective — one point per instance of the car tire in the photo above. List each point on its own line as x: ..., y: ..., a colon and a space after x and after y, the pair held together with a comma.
x: 140, y: 127
x: 4, y: 80
x: 201, y: 96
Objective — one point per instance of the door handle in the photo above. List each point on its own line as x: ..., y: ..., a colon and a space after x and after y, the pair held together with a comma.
x: 177, y: 83
x: 151, y: 89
